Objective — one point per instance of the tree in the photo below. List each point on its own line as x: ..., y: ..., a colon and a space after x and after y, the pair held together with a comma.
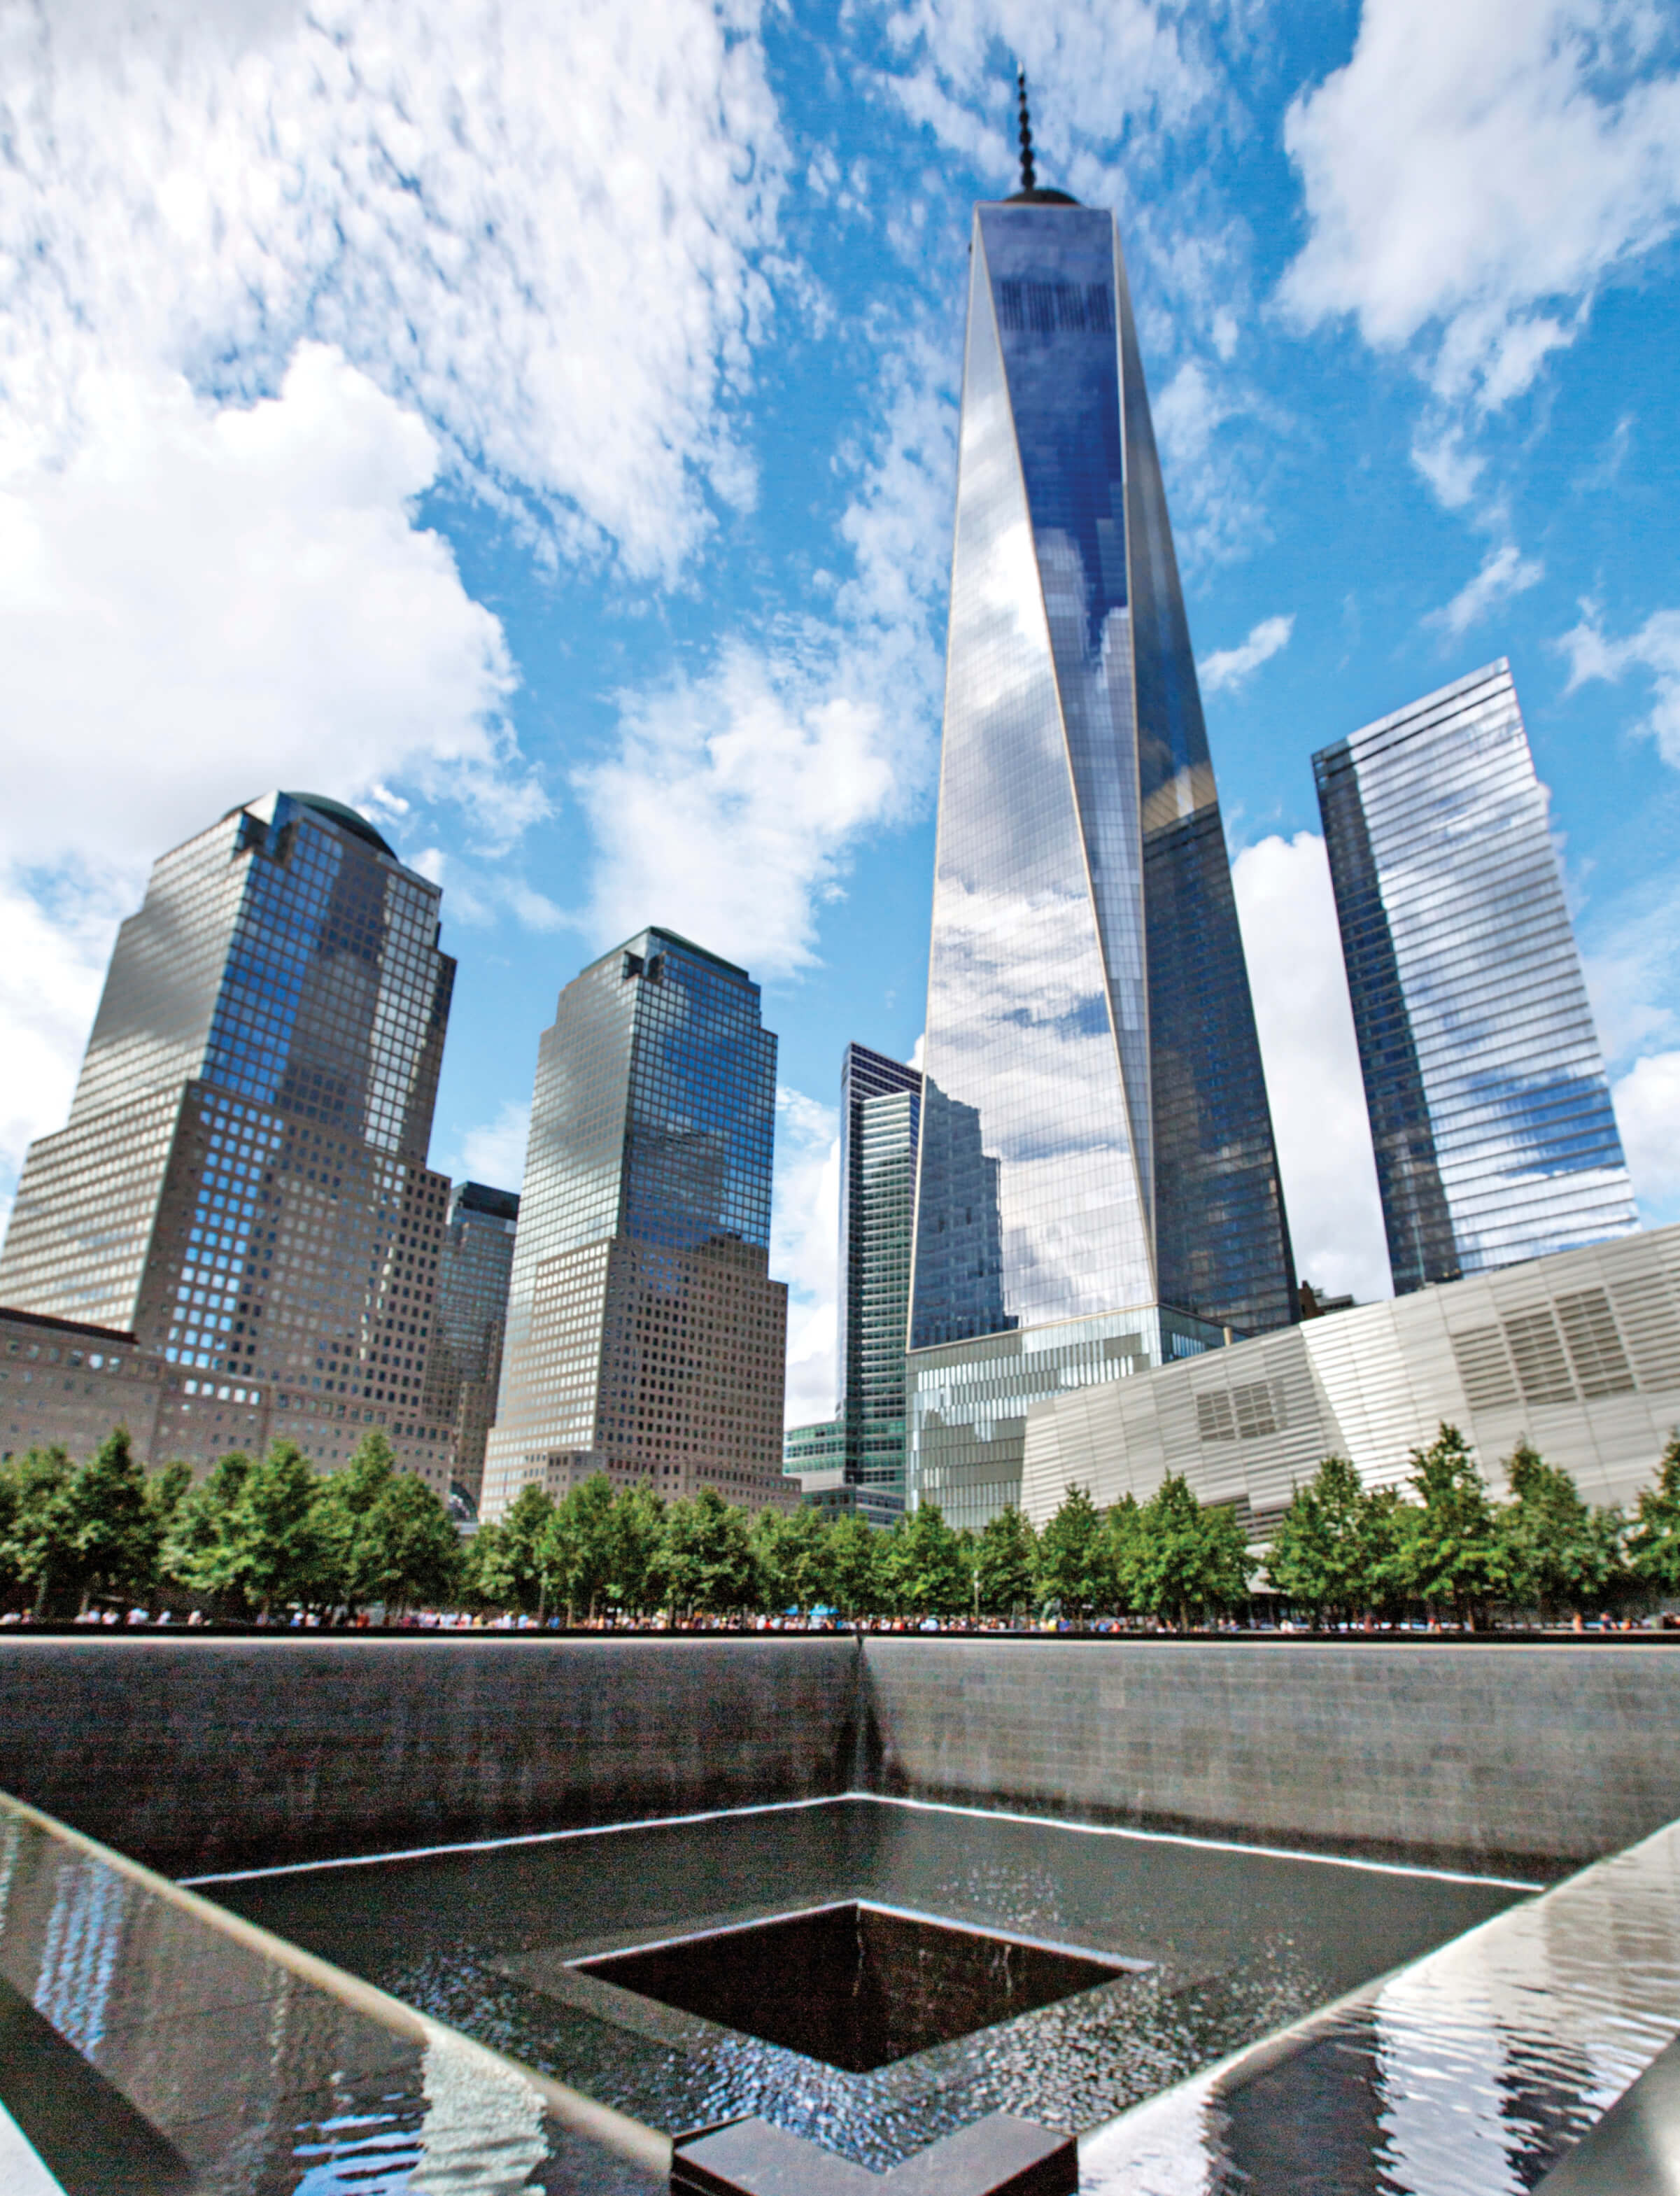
x: 110, y: 1530
x: 580, y: 1546
x: 507, y: 1563
x: 1189, y: 1557
x: 37, y: 1545
x: 1075, y: 1565
x: 1558, y: 1549
x: 1005, y: 1565
x: 408, y: 1550
x: 853, y: 1574
x: 708, y: 1556
x: 921, y: 1565
x: 200, y: 1551
x: 1319, y: 1555
x: 639, y: 1583
x: 1654, y: 1544
x: 348, y: 1499
x: 1123, y: 1533
x: 789, y: 1547
x: 1452, y: 1547
x: 274, y: 1532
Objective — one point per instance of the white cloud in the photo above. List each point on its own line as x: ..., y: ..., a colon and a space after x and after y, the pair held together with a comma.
x: 539, y: 226
x: 1647, y: 1110
x: 494, y: 1152
x: 203, y: 601
x: 1475, y: 172
x: 1230, y: 667
x: 1504, y: 572
x: 1451, y: 470
x: 805, y: 1233
x: 206, y: 600
x: 734, y: 797
x: 1654, y: 650
x: 1294, y: 952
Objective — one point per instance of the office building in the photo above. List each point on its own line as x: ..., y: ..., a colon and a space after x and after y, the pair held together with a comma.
x: 815, y: 1456
x: 645, y: 1339
x: 242, y: 1184
x: 1490, y: 1110
x: 1579, y: 1354
x: 881, y: 1119
x: 1098, y: 1183
x: 464, y: 1373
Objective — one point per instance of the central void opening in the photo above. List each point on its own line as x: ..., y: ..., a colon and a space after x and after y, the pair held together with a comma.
x: 856, y: 1985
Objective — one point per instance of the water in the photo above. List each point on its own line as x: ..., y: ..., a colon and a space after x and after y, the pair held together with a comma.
x: 1237, y: 1943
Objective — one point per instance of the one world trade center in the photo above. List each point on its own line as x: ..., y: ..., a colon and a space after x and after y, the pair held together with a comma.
x: 1097, y: 1189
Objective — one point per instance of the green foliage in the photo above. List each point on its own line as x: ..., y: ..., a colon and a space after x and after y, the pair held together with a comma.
x: 580, y: 1547
x: 1189, y: 1559
x: 855, y: 1580
x: 1076, y: 1566
x: 1451, y: 1549
x: 1654, y: 1544
x: 1005, y: 1565
x: 37, y: 1553
x: 506, y: 1566
x: 1320, y: 1554
x: 922, y: 1570
x: 1558, y: 1549
x: 639, y: 1585
x: 790, y: 1549
x: 408, y: 1553
x: 199, y: 1552
x: 709, y: 1556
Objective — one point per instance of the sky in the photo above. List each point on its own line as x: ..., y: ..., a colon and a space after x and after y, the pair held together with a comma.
x: 534, y: 424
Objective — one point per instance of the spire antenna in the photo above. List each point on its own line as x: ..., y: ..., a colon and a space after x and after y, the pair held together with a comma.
x: 1028, y: 180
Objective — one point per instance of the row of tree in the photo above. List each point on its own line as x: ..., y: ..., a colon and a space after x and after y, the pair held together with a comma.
x: 265, y: 1538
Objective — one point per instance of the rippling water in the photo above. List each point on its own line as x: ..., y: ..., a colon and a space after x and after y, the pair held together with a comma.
x: 1469, y: 2074
x: 1241, y: 1942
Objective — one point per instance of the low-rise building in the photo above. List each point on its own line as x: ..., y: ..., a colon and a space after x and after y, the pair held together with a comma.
x: 1579, y: 1354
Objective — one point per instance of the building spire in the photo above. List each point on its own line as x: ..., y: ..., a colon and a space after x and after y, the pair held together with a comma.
x: 1028, y: 178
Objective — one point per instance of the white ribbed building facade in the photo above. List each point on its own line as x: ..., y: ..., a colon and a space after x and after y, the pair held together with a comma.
x: 1579, y: 1352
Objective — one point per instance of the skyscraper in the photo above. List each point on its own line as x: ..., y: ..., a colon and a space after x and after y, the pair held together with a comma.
x: 475, y: 1263
x: 1099, y: 1184
x: 242, y: 1183
x: 1490, y: 1110
x: 645, y: 1337
x: 881, y: 1113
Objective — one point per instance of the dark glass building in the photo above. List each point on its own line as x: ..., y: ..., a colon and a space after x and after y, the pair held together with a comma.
x: 475, y: 1263
x: 1490, y: 1109
x: 645, y: 1337
x: 1099, y: 1184
x: 242, y: 1184
x: 881, y: 1115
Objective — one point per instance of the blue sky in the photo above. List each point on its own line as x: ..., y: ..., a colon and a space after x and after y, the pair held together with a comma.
x: 535, y: 425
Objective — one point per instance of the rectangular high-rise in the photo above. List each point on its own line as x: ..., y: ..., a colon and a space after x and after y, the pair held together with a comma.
x: 1490, y: 1109
x: 242, y: 1183
x: 881, y: 1121
x: 474, y: 1263
x: 1099, y: 1184
x: 645, y: 1339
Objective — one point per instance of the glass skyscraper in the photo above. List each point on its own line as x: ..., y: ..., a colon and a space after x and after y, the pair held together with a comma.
x: 881, y: 1111
x: 1098, y: 1183
x: 645, y: 1337
x: 465, y: 1371
x: 1490, y: 1110
x: 242, y: 1183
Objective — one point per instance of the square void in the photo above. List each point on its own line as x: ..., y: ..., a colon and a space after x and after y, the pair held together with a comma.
x: 856, y: 1985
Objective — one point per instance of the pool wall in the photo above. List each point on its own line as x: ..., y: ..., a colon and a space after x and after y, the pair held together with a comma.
x: 195, y: 1754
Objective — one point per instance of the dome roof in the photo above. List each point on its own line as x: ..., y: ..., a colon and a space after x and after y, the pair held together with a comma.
x: 347, y: 816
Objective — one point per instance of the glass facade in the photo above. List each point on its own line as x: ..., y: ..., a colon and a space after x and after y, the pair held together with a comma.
x: 242, y: 1183
x: 475, y: 1261
x: 645, y: 1337
x: 1096, y: 1141
x: 881, y: 1110
x: 1490, y: 1109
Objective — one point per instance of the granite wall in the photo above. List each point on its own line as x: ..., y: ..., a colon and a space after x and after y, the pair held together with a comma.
x: 197, y: 1754
x: 1535, y: 1757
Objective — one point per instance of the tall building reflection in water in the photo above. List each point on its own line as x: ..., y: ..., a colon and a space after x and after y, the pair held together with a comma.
x: 1099, y: 1186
